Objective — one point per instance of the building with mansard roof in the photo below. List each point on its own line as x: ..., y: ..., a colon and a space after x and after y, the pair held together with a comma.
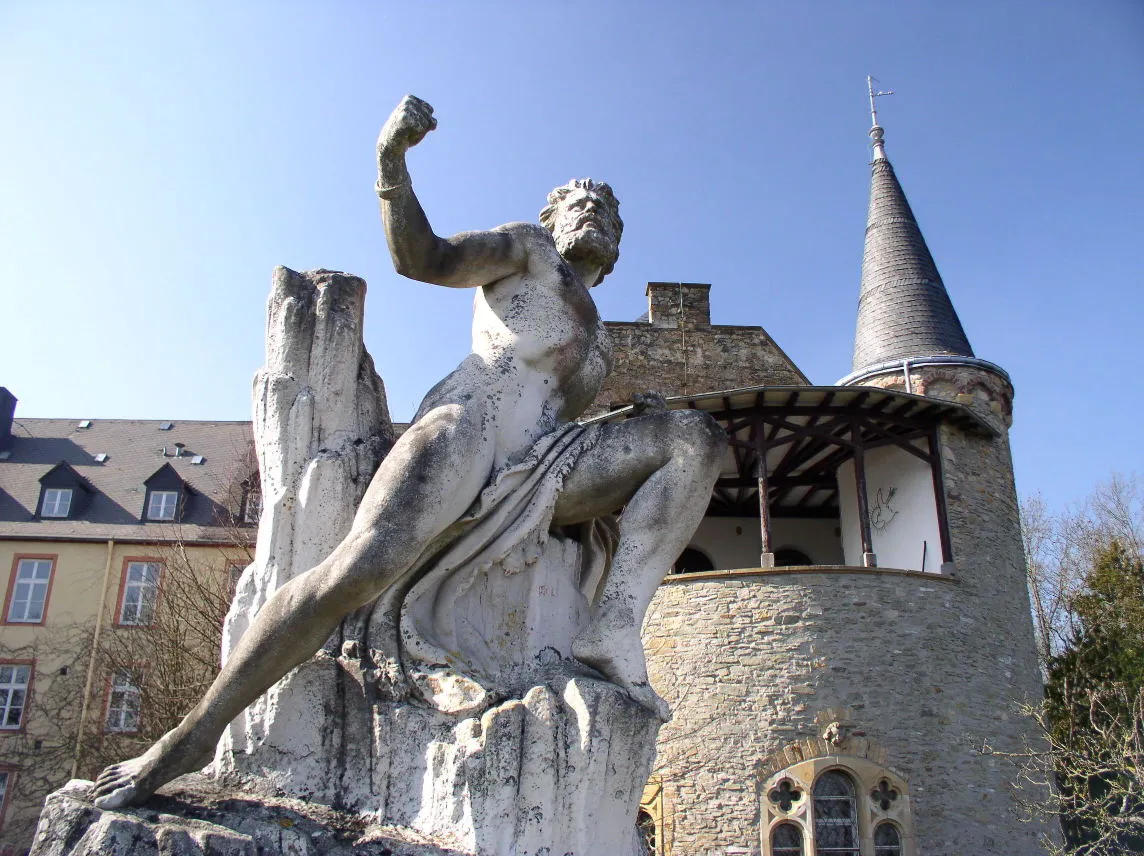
x: 848, y: 627
x: 101, y: 522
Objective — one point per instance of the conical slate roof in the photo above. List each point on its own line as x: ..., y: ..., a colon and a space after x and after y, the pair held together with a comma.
x: 903, y: 310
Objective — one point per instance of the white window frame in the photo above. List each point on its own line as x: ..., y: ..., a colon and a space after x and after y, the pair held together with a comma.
x: 30, y: 591
x: 15, y: 681
x: 166, y: 506
x: 124, y: 700
x: 57, y: 502
x: 6, y: 779
x: 252, y: 508
x: 140, y: 593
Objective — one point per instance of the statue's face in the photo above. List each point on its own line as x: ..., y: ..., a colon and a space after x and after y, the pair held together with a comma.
x: 584, y: 229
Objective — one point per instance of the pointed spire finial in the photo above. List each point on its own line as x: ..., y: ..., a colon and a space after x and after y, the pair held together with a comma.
x: 876, y: 132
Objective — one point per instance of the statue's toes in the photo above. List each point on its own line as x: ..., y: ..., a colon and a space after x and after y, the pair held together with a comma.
x: 119, y: 797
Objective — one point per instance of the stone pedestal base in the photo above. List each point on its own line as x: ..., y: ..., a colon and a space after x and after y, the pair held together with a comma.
x: 199, y: 816
x: 557, y: 772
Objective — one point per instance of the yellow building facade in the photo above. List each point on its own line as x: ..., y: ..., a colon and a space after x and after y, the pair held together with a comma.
x: 120, y: 541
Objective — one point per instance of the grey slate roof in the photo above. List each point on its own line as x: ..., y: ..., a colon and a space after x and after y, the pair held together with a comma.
x: 903, y: 309
x: 134, y: 452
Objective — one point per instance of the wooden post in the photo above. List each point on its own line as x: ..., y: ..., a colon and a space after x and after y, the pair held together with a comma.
x: 869, y: 560
x: 766, y: 552
x: 939, y: 503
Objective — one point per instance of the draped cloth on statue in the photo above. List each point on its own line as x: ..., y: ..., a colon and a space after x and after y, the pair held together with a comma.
x: 494, y: 611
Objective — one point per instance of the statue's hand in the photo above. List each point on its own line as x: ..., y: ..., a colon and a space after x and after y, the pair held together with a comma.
x: 648, y: 402
x: 407, y: 125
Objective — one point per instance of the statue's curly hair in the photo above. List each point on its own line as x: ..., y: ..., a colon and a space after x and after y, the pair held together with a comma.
x: 601, y: 189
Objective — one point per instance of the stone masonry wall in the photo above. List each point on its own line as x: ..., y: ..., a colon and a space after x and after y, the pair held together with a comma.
x: 673, y: 358
x: 749, y: 661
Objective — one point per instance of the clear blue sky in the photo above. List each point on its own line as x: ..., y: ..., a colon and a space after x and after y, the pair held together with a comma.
x: 159, y: 158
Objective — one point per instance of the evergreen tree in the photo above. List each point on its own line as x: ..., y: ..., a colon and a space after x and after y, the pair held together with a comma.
x: 1094, y: 704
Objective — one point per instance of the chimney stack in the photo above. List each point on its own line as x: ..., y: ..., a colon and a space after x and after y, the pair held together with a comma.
x: 667, y: 301
x: 7, y: 414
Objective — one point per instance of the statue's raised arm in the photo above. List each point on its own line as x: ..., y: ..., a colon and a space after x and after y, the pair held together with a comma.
x: 466, y: 260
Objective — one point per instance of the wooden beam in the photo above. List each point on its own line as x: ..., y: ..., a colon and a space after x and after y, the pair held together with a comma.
x: 903, y: 444
x: 817, y: 512
x: 766, y: 553
x: 868, y: 558
x: 939, y: 502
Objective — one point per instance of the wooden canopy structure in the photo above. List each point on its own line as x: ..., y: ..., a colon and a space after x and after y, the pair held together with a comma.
x: 787, y: 443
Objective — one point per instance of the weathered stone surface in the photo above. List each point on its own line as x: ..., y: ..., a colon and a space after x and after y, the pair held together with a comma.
x: 488, y: 578
x: 321, y: 427
x: 559, y: 771
x: 196, y: 816
x: 678, y: 351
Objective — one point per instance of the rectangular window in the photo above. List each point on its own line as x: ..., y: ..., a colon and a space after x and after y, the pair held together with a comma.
x: 14, y: 680
x: 29, y: 591
x: 57, y: 502
x: 162, y: 504
x: 140, y: 593
x: 235, y: 572
x: 252, y: 509
x: 123, y: 702
x: 5, y: 786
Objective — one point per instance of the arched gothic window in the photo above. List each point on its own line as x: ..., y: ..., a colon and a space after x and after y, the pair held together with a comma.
x: 786, y: 840
x: 645, y: 823
x: 835, y: 815
x: 887, y: 840
x: 835, y: 806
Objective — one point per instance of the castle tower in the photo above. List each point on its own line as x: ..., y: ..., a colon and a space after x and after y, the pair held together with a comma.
x: 909, y: 338
x: 839, y: 702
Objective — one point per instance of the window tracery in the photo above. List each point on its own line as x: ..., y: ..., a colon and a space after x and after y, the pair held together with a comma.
x: 785, y: 795
x: 887, y: 841
x: 835, y: 811
x: 786, y: 840
x: 836, y: 804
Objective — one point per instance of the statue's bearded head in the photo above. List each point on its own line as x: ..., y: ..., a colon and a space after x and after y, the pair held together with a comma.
x: 584, y: 219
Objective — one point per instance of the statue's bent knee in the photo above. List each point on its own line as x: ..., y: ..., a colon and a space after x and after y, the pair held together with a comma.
x: 698, y: 432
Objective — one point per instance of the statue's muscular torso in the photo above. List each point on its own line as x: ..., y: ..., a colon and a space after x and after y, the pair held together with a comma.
x: 540, y: 351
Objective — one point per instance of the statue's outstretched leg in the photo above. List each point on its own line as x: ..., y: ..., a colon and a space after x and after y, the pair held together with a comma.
x: 425, y: 483
x: 661, y: 468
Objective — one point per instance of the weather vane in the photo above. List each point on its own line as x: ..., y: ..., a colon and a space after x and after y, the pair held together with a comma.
x: 876, y: 132
x: 875, y: 94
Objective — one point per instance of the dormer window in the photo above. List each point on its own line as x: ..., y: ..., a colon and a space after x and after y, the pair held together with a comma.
x: 162, y: 504
x: 250, y: 501
x: 167, y: 496
x: 63, y: 493
x: 57, y: 502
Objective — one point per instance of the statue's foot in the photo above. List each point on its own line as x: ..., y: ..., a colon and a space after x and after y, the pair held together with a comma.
x: 619, y: 657
x: 133, y: 782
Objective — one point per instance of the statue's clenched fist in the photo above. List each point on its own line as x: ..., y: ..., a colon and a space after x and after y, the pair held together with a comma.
x: 407, y: 125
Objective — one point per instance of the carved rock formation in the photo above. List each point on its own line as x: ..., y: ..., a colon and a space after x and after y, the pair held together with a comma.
x: 321, y: 427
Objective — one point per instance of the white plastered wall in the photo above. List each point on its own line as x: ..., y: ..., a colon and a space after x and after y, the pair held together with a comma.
x: 903, y: 513
x: 734, y: 542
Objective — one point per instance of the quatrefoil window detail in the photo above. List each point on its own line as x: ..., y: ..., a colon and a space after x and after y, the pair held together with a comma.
x: 884, y: 795
x: 785, y: 794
